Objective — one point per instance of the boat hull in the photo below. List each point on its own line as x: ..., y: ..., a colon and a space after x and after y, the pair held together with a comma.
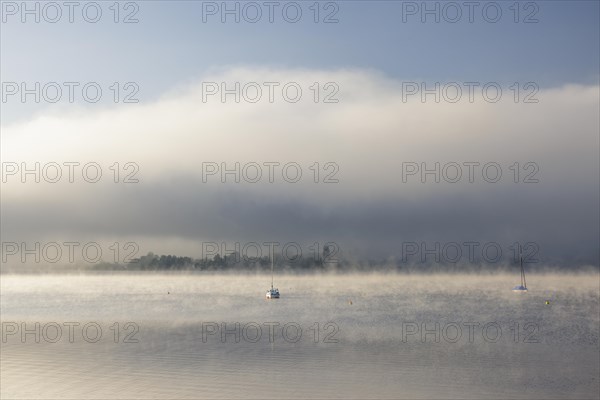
x: 519, y: 289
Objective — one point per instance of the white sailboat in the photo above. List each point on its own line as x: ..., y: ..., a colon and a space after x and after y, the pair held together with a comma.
x: 273, y: 293
x: 522, y: 288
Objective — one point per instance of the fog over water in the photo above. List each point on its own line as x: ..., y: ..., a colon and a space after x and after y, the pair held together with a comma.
x: 340, y: 336
x: 399, y: 165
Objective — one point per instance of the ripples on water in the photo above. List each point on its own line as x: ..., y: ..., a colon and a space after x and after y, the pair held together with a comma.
x: 543, y: 350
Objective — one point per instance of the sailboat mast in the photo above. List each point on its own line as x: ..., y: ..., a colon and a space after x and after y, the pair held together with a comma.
x: 523, y: 282
x: 272, y: 255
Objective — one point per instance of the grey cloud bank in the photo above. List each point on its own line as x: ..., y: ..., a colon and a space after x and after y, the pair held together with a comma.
x: 369, y: 134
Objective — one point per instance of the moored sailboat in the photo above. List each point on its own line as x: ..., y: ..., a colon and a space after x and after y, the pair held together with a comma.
x: 272, y: 293
x: 522, y: 288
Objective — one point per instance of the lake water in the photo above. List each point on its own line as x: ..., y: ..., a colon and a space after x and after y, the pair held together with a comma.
x: 334, y: 336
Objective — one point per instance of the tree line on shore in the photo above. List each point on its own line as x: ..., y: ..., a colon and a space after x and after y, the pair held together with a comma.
x: 232, y: 261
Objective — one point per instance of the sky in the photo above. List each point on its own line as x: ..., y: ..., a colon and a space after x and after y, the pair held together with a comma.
x: 369, y: 118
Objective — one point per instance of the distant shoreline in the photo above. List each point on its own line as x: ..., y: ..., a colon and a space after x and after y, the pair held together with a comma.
x: 411, y: 270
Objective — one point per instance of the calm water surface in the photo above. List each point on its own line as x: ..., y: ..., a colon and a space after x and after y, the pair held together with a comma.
x: 348, y: 336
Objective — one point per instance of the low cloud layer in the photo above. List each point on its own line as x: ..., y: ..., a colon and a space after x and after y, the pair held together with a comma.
x: 368, y: 136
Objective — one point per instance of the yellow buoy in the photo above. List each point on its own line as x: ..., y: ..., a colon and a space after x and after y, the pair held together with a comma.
x: 547, y: 302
